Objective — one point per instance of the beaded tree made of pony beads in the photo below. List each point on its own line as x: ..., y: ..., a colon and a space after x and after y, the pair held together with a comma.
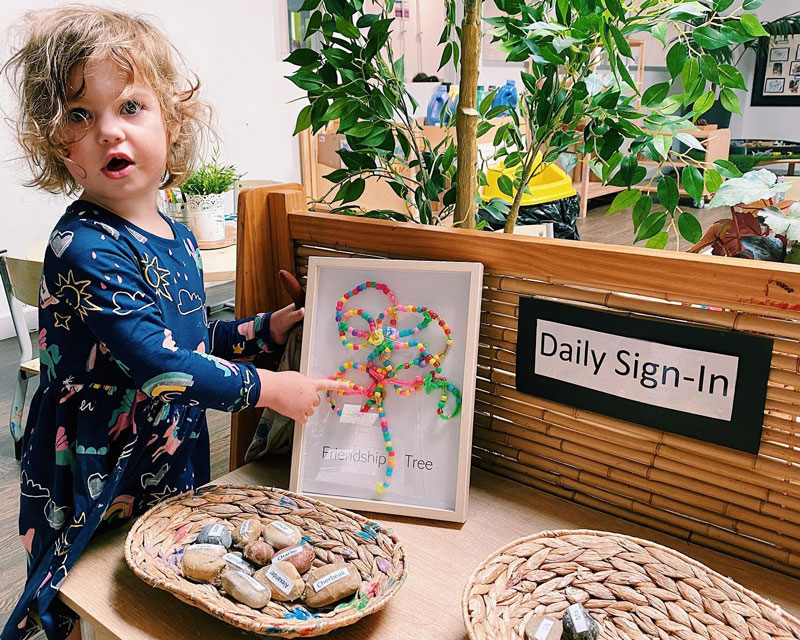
x: 385, y: 340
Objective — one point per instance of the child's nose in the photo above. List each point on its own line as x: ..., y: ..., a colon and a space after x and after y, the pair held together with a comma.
x: 110, y: 130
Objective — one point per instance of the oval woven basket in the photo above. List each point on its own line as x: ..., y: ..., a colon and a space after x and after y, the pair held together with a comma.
x: 157, y: 539
x: 634, y: 590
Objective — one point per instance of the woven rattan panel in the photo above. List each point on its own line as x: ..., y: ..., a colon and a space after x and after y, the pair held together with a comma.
x: 745, y: 505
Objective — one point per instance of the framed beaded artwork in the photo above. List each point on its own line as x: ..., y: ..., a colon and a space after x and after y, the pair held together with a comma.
x: 404, y: 334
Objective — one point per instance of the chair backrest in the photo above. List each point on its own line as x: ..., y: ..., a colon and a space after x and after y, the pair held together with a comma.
x: 24, y: 276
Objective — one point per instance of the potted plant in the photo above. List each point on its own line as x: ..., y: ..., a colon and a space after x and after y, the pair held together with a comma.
x: 205, y: 196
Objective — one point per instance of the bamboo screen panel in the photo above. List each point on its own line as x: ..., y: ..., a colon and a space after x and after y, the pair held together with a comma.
x: 745, y: 505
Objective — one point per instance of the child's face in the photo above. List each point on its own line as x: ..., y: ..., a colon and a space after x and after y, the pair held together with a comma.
x: 119, y: 151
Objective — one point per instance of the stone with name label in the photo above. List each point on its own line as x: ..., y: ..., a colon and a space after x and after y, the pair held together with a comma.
x: 203, y: 562
x: 283, y: 580
x: 259, y: 552
x: 330, y: 583
x: 235, y: 562
x: 543, y: 628
x: 216, y: 533
x: 301, y: 556
x: 281, y: 534
x: 247, y: 532
x: 245, y: 589
x: 578, y: 624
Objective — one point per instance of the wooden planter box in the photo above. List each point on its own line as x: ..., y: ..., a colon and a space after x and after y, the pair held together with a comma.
x: 745, y: 505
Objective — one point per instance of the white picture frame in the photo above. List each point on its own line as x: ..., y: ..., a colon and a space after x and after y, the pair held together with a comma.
x: 342, y: 456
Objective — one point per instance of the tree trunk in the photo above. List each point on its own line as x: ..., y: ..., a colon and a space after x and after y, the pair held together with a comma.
x: 467, y: 116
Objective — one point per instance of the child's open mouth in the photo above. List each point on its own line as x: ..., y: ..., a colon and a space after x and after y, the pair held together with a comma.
x: 118, y: 167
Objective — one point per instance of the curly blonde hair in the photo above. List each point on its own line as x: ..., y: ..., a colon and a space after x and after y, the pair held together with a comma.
x: 59, y: 40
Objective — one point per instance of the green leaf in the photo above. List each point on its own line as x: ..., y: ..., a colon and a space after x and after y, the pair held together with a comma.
x: 752, y: 4
x: 448, y: 51
x: 624, y: 200
x: 752, y: 26
x: 303, y: 120
x: 530, y: 82
x: 400, y: 67
x: 692, y: 182
x: 713, y: 180
x: 676, y: 59
x: 690, y: 227
x: 690, y: 74
x: 690, y: 141
x: 641, y: 211
x: 727, y: 169
x: 668, y: 193
x: 655, y: 94
x: 302, y: 57
x: 660, y: 32
x: 347, y: 28
x: 721, y: 5
x: 731, y: 77
x: 336, y: 109
x: 709, y: 38
x: 709, y: 68
x: 703, y: 104
x: 730, y: 100
x: 651, y: 225
x: 658, y: 241
x: 484, y: 127
x: 309, y: 5
x: 505, y: 185
x: 367, y: 20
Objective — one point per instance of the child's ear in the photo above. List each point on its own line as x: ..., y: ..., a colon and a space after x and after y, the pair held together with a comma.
x: 173, y: 131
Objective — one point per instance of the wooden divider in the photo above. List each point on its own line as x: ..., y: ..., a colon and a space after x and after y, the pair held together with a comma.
x: 746, y: 505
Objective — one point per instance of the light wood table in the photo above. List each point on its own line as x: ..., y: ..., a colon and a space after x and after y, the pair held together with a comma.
x: 117, y: 605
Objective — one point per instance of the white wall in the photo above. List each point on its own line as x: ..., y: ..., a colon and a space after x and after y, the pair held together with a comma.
x: 766, y: 122
x: 235, y: 50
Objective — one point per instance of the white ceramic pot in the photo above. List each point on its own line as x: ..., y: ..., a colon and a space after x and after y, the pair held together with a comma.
x: 206, y: 216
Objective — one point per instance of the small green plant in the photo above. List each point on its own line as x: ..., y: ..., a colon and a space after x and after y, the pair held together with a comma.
x: 211, y: 177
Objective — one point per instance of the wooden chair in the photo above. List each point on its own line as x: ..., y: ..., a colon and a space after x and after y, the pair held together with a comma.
x: 21, y: 283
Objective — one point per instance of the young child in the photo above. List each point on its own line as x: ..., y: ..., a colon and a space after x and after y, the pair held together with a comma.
x: 129, y: 362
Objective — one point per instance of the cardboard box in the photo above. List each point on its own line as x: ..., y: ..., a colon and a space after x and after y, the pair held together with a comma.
x: 327, y: 146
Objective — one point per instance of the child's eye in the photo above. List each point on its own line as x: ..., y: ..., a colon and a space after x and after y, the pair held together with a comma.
x: 78, y: 116
x: 131, y: 107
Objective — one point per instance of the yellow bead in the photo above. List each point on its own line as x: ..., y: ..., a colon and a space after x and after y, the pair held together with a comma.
x: 379, y: 487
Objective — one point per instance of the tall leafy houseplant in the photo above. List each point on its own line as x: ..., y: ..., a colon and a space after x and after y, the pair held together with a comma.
x: 356, y: 79
x: 569, y: 108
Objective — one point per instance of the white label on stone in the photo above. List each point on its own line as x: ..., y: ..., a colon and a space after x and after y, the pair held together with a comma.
x: 283, y: 527
x: 216, y: 530
x: 543, y: 630
x: 233, y: 559
x: 283, y: 555
x: 352, y: 414
x: 254, y: 583
x: 331, y: 578
x: 245, y: 528
x: 205, y: 546
x: 576, y: 613
x: 279, y: 579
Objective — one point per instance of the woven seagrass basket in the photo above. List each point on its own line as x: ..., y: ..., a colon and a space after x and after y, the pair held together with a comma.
x: 156, y: 542
x: 634, y: 590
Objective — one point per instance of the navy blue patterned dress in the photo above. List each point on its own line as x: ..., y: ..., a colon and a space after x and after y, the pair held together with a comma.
x: 129, y: 364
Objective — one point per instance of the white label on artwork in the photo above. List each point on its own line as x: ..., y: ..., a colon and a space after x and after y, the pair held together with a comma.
x: 283, y: 527
x: 688, y: 380
x: 331, y: 578
x: 352, y: 414
x: 283, y: 555
x: 576, y: 613
x: 279, y: 579
x: 543, y: 630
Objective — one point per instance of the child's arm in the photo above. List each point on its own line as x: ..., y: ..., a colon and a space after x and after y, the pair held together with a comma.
x: 98, y: 282
x: 265, y: 332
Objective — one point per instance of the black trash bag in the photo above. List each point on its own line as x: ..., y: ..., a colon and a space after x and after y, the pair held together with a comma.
x: 562, y: 213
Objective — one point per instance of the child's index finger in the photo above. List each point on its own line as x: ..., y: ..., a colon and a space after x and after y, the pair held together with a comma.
x: 323, y: 384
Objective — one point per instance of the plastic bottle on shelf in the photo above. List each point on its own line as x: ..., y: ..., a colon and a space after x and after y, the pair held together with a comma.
x: 436, y: 106
x: 507, y: 95
x: 481, y: 94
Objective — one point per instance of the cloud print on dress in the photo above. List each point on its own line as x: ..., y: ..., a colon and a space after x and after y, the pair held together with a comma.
x: 30, y: 489
x: 125, y: 303
x: 188, y: 302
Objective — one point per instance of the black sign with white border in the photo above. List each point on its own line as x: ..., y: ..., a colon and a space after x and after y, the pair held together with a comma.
x: 703, y: 383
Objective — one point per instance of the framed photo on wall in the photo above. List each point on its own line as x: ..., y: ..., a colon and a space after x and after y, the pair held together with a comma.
x: 777, y: 74
x: 405, y: 335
